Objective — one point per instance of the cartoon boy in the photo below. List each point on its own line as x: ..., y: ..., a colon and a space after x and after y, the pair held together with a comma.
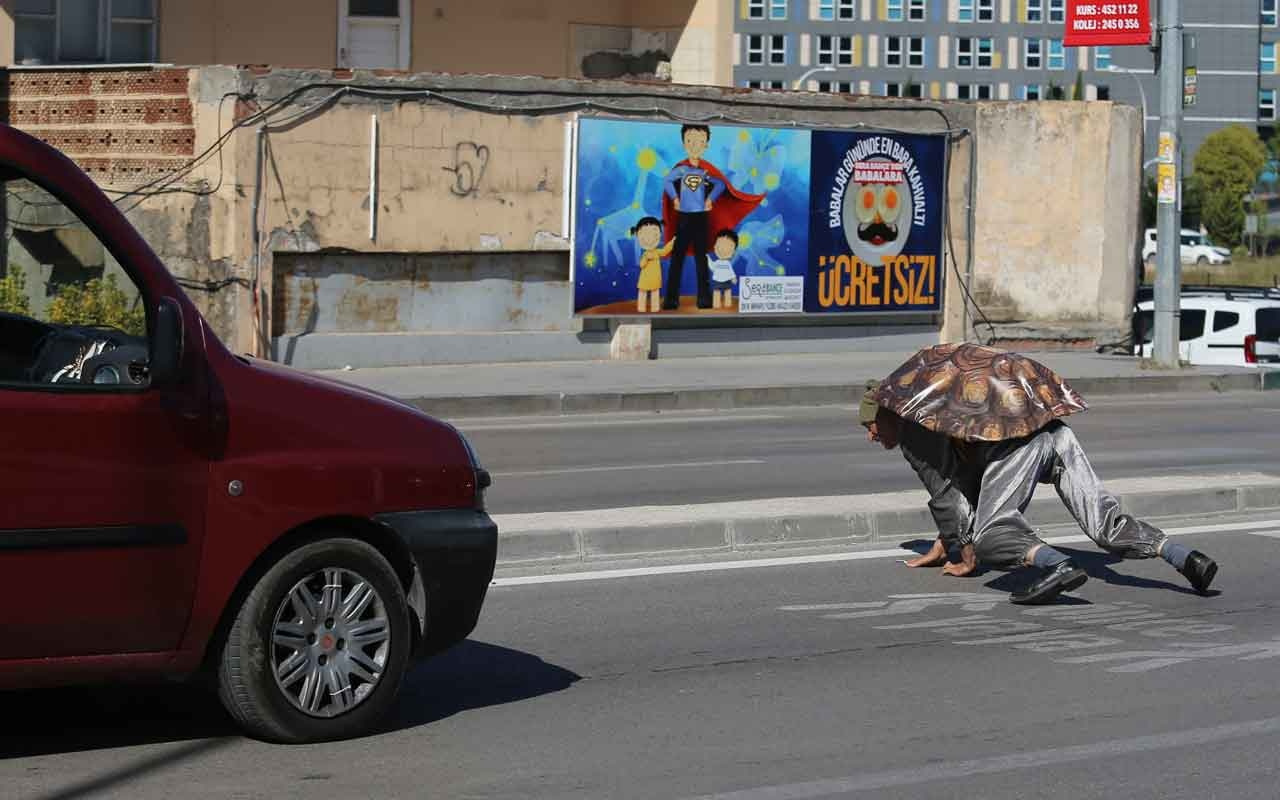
x: 648, y: 233
x: 698, y: 199
x: 722, y: 275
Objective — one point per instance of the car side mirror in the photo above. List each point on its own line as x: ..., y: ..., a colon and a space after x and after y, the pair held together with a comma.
x: 167, y: 344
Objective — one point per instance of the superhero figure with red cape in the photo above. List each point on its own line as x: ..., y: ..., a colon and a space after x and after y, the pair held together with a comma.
x: 698, y: 203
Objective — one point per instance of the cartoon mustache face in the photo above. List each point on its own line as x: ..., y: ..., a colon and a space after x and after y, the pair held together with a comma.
x: 877, y: 233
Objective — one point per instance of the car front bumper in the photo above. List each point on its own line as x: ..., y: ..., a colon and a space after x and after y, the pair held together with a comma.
x: 455, y: 552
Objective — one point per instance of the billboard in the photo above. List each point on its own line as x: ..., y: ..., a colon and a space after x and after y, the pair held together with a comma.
x: 1091, y: 23
x: 728, y: 219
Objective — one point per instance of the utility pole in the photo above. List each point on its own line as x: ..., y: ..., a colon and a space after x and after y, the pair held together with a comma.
x: 1169, y: 189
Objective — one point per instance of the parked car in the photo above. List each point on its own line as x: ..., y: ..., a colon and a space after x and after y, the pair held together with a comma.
x: 171, y: 510
x: 1230, y: 326
x: 1196, y: 249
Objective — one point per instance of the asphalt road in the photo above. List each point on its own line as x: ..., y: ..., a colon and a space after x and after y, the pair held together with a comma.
x: 616, y: 461
x: 853, y: 678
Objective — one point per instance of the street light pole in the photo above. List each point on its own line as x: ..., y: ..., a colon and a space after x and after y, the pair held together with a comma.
x: 1141, y: 91
x: 1168, y: 230
x: 800, y: 81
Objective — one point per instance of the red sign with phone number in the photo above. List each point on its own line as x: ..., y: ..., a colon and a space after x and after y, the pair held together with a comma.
x: 1099, y: 22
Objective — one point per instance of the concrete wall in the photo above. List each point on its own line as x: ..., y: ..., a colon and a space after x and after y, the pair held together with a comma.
x: 523, y: 37
x: 469, y: 209
x: 1057, y: 213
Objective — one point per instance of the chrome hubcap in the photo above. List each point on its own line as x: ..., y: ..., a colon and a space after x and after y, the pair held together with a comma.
x: 329, y: 642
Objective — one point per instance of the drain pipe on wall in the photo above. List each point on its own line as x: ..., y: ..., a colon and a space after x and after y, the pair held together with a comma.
x: 373, y: 177
x: 260, y: 344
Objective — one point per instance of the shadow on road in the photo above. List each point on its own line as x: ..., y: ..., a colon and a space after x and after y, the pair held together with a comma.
x: 1098, y: 565
x: 474, y: 675
x: 44, y: 721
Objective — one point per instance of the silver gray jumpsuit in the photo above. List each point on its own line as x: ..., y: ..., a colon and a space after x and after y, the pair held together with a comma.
x: 978, y: 493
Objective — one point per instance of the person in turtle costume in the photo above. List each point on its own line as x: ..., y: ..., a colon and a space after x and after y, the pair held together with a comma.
x: 982, y: 427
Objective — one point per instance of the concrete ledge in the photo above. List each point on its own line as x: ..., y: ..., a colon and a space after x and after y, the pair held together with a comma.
x: 558, y: 403
x: 799, y: 522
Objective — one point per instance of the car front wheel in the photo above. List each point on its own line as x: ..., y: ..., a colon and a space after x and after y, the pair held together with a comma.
x: 319, y: 647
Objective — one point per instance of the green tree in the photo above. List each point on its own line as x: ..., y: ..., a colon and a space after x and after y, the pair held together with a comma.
x: 1227, y: 166
x: 99, y: 301
x: 13, y: 292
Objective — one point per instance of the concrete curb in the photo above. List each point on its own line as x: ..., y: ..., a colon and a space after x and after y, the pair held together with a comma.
x: 702, y: 399
x: 559, y: 539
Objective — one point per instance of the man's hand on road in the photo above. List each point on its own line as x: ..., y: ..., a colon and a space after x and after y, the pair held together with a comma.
x: 936, y: 557
x: 968, y: 563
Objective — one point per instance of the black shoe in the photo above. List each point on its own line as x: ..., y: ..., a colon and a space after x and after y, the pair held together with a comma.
x: 1200, y: 570
x: 1062, y: 578
x: 705, y: 303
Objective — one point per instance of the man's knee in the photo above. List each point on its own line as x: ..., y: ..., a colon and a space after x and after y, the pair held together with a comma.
x: 1003, y: 550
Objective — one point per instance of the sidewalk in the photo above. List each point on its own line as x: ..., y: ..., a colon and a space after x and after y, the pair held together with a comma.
x: 477, y: 390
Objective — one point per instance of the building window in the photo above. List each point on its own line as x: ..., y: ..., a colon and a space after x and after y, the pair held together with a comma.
x: 777, y: 50
x: 915, y: 52
x: 1102, y: 58
x: 915, y: 90
x: 1104, y: 92
x: 917, y: 10
x: 893, y: 52
x: 755, y: 49
x: 826, y: 55
x: 1030, y: 92
x: 777, y: 9
x: 1057, y: 56
x: 1267, y: 58
x: 985, y: 48
x: 1057, y: 11
x: 893, y: 10
x: 1269, y: 12
x: 1034, y: 52
x: 753, y: 85
x: 986, y: 10
x: 986, y: 91
x: 755, y: 9
x: 845, y: 51
x: 893, y: 90
x: 836, y: 87
x: 846, y: 9
x: 964, y: 11
x: 964, y: 53
x: 1267, y: 105
x: 964, y: 92
x: 776, y: 85
x: 826, y: 10
x: 1035, y: 10
x: 84, y: 32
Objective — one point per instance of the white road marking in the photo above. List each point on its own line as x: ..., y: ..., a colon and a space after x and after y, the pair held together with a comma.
x: 950, y: 771
x: 825, y: 558
x: 628, y: 467
x: 662, y: 419
x: 1269, y: 534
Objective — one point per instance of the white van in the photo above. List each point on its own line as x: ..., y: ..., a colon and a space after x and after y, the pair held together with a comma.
x: 1235, y: 327
x: 1196, y: 249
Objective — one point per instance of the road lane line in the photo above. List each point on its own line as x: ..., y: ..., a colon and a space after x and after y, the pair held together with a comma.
x: 615, y: 423
x: 826, y: 558
x: 627, y: 467
x: 1034, y: 759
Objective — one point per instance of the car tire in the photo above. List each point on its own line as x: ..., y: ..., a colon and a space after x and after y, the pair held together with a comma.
x: 1202, y: 262
x: 287, y: 673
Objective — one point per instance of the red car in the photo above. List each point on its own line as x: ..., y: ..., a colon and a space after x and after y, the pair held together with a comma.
x: 170, y: 509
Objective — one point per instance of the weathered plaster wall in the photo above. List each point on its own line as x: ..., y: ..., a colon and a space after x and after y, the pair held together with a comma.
x: 1057, y: 211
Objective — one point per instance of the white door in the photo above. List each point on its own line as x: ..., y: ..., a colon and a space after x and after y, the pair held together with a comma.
x: 1224, y: 338
x: 1191, y: 336
x: 373, y: 34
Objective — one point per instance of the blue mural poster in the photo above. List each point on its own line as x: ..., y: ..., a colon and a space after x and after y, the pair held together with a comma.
x: 737, y: 196
x: 875, y: 224
x: 723, y: 219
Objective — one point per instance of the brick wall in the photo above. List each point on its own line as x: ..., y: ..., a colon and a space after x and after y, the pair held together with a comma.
x: 122, y: 126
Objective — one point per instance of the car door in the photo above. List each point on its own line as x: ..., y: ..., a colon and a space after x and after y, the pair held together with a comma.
x: 1224, y: 338
x: 102, y: 489
x: 1191, y: 331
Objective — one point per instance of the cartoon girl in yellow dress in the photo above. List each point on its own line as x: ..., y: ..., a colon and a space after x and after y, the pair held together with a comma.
x: 648, y: 233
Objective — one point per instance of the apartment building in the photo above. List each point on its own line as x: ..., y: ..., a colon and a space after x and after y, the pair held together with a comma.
x: 1007, y: 50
